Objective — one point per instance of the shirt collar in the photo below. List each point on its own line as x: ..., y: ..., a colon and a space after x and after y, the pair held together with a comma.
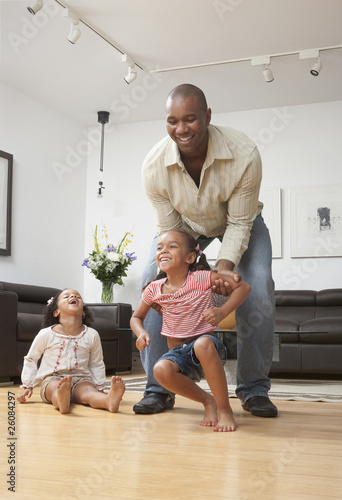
x: 218, y: 149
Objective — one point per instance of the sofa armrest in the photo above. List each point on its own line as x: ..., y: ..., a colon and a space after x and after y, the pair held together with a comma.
x: 118, y: 314
x: 8, y: 333
x: 112, y: 324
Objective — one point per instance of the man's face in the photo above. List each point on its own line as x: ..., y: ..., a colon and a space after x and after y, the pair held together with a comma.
x: 186, y: 124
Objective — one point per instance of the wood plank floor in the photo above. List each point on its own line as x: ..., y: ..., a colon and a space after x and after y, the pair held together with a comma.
x: 93, y: 454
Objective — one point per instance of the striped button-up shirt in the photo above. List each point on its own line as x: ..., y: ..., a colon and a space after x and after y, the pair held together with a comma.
x: 224, y: 204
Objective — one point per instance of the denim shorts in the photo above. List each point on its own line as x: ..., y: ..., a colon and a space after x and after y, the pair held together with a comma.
x: 185, y: 358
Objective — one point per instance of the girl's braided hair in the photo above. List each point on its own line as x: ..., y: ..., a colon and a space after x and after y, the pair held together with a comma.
x: 49, y: 319
x: 200, y: 263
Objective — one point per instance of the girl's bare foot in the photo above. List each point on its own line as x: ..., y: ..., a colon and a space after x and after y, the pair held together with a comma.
x: 117, y: 389
x: 226, y: 422
x: 63, y: 394
x: 210, y: 412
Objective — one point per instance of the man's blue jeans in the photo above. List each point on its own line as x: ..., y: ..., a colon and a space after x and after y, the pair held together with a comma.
x: 255, y: 318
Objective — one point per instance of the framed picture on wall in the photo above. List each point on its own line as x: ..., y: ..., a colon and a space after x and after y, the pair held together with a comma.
x: 6, y: 169
x: 316, y: 221
x: 271, y: 198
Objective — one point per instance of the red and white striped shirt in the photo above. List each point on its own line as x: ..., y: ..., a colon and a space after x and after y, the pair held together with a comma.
x: 182, y: 310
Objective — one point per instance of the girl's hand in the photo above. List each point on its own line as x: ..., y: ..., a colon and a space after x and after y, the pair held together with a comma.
x: 212, y: 316
x: 143, y: 341
x: 27, y: 393
x: 157, y: 308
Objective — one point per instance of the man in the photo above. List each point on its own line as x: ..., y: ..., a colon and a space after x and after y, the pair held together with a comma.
x: 206, y: 180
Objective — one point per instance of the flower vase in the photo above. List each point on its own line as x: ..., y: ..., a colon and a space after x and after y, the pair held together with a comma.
x: 107, y: 295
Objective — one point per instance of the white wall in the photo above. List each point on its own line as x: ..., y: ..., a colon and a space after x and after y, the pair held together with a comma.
x: 48, y: 215
x: 56, y: 174
x: 300, y: 146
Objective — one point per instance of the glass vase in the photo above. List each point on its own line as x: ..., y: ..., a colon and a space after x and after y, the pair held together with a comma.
x: 107, y: 295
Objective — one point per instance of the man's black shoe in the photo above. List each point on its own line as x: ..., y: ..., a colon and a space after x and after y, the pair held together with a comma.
x: 154, y: 402
x: 260, y: 406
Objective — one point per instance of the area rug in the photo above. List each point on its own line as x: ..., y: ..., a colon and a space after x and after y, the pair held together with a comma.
x: 289, y: 390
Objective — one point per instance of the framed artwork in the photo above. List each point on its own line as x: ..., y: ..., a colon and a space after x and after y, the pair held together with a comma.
x: 316, y: 221
x: 6, y: 169
x: 271, y: 198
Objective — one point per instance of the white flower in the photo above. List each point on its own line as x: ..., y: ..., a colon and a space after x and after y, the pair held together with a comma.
x: 113, y: 256
x: 110, y: 264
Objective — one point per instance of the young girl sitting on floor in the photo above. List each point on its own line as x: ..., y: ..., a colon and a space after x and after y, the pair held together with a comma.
x: 72, y: 367
x: 183, y: 290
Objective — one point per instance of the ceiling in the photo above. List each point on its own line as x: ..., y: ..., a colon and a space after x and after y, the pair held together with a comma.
x: 79, y: 80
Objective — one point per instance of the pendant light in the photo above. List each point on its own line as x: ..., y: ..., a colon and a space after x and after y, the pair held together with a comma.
x: 103, y: 118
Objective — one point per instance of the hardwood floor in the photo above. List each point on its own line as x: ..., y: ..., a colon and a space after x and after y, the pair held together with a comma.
x: 93, y: 454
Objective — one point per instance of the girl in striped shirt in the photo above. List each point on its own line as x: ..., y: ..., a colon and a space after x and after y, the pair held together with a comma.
x: 182, y: 290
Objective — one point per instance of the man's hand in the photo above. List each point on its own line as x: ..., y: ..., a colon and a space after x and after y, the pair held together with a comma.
x: 222, y: 287
x: 142, y: 341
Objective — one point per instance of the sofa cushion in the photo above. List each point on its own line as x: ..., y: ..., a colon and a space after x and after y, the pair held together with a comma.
x: 30, y: 293
x: 321, y: 331
x: 106, y: 329
x: 329, y: 297
x: 324, y: 359
x: 28, y: 325
x: 297, y: 298
x: 286, y: 325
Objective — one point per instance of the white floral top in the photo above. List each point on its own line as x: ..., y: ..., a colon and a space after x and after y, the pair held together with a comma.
x: 64, y: 355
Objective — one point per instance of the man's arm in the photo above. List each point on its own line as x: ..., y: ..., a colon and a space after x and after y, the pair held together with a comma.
x: 242, y: 208
x: 167, y: 217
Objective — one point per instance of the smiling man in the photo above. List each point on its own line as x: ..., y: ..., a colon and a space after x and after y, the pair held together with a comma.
x: 205, y: 180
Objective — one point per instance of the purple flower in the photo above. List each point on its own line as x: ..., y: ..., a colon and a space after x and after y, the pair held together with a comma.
x: 110, y: 248
x: 131, y: 256
x: 85, y: 263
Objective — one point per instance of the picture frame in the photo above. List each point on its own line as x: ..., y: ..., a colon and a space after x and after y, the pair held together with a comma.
x: 6, y: 175
x: 316, y: 221
x: 272, y: 215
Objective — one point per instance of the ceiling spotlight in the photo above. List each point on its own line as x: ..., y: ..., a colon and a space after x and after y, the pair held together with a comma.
x: 131, y: 75
x: 132, y: 72
x: 264, y: 61
x: 36, y: 7
x: 75, y: 31
x: 316, y: 68
x: 268, y: 75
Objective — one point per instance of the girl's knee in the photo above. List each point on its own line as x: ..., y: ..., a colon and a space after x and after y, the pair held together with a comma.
x: 162, y: 370
x: 204, y: 346
x: 83, y: 392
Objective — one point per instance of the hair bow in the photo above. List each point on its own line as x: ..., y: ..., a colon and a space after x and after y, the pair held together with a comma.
x: 198, y: 250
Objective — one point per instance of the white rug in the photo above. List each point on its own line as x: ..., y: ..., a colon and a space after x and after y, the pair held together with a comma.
x: 290, y: 390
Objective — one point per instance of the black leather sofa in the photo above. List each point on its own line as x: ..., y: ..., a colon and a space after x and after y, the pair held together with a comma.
x: 21, y: 309
x: 309, y: 324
